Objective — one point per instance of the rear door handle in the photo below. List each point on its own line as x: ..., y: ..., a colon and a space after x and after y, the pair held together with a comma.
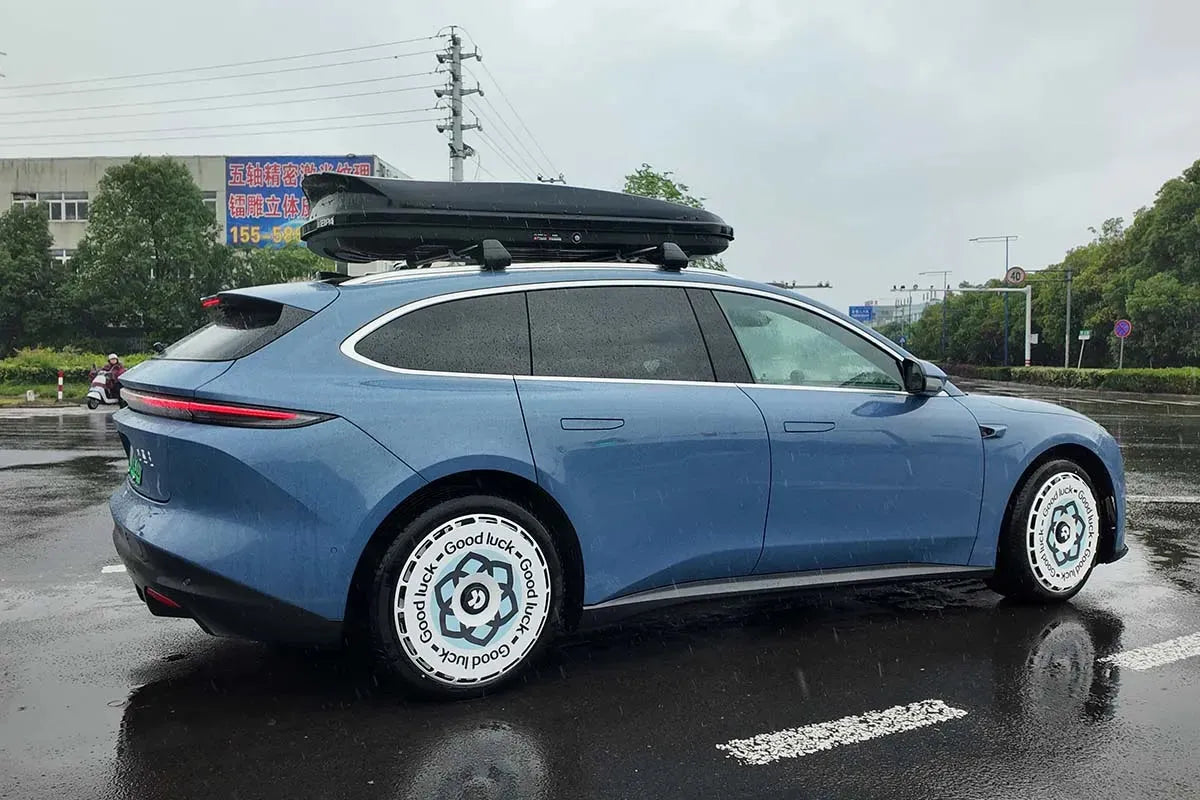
x: 807, y: 427
x: 590, y: 424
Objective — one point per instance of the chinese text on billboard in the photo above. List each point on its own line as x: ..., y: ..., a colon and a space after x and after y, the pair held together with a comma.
x: 264, y: 204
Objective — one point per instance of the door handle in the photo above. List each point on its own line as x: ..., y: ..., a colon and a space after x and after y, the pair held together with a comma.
x: 807, y: 427
x: 590, y: 424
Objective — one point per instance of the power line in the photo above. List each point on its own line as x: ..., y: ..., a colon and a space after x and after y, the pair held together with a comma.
x: 532, y: 160
x: 500, y: 89
x: 491, y: 145
x: 276, y: 130
x: 220, y: 108
x: 229, y: 65
x: 224, y: 96
x: 208, y: 78
x: 71, y: 136
x: 513, y: 152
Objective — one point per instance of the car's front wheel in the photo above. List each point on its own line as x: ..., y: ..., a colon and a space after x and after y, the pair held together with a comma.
x: 1050, y: 545
x: 466, y: 596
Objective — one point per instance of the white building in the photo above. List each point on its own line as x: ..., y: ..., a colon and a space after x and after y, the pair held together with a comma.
x: 270, y: 183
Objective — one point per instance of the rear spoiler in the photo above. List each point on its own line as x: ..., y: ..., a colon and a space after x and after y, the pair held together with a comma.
x: 308, y: 296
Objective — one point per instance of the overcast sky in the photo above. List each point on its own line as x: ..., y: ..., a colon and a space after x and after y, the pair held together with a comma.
x: 851, y: 142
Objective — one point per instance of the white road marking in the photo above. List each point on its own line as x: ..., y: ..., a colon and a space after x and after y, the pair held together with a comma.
x: 113, y: 568
x: 766, y: 748
x: 1163, y: 498
x: 1156, y: 655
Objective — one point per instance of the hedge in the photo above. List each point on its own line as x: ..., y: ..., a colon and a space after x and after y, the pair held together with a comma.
x: 1172, y: 380
x: 41, y: 365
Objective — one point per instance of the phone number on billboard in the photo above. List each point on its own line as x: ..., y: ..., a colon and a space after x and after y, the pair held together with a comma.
x: 250, y: 234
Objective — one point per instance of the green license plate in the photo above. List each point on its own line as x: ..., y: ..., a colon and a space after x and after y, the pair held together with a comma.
x: 135, y: 470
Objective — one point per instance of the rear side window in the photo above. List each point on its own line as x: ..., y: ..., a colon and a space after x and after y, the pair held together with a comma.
x: 487, y: 335
x: 240, y: 326
x: 638, y: 332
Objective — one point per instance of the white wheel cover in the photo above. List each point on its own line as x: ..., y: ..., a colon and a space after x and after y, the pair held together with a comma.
x: 1063, y: 532
x: 472, y: 599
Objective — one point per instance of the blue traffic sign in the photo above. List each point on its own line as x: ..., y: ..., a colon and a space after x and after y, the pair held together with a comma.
x: 1123, y: 328
x: 862, y: 313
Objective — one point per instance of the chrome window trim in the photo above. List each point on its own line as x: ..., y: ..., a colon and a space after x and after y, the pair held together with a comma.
x: 350, y: 342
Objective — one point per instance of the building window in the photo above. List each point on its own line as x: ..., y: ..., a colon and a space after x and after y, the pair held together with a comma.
x: 63, y: 206
x: 62, y: 255
x: 210, y: 202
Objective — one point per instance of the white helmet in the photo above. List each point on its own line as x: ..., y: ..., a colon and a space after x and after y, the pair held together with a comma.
x: 113, y: 357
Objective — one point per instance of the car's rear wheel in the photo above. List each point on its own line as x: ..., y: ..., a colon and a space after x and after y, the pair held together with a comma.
x: 466, y: 596
x: 1052, y: 539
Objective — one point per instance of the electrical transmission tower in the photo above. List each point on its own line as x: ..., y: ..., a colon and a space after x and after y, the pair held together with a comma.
x: 453, y: 55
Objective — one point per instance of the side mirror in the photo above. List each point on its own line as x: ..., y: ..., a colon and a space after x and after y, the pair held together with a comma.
x: 918, y: 381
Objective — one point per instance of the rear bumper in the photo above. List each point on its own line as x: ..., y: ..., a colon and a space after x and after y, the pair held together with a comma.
x: 220, y: 606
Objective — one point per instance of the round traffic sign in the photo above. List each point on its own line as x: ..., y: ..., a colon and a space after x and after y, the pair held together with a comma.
x: 1123, y: 328
x: 1014, y: 275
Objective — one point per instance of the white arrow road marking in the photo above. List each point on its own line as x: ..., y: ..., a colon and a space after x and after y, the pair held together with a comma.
x: 1156, y: 655
x: 1185, y: 499
x: 795, y: 742
x: 113, y: 568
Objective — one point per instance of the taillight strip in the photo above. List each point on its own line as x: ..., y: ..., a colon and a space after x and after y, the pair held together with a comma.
x: 216, y: 413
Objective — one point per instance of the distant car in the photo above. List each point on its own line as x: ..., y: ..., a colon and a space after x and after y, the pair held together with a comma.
x: 466, y: 461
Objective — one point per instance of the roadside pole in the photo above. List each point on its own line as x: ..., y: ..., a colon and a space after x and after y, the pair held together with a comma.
x: 1084, y: 335
x: 60, y: 381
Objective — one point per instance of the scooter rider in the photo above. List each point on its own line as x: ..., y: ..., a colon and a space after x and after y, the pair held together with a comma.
x: 115, y: 369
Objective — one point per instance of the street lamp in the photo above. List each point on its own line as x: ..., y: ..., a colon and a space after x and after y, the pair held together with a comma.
x: 1006, y: 240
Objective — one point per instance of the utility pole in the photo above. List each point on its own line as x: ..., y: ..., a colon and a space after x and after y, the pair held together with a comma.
x: 945, y: 294
x: 454, y: 56
x: 1006, y: 240
x: 1067, y: 335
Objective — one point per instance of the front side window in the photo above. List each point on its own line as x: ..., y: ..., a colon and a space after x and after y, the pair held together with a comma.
x: 790, y: 346
x: 484, y: 335
x: 626, y: 332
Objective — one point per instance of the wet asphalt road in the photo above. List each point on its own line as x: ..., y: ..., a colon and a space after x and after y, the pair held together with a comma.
x: 100, y: 700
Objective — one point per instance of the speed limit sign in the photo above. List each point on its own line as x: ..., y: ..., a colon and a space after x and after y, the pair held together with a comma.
x: 1014, y: 276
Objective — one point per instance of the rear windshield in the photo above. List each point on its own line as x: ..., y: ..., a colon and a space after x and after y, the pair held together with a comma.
x: 240, y: 326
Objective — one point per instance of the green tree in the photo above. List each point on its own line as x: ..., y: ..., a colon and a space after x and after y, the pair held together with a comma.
x: 265, y: 265
x: 149, y: 254
x: 646, y: 182
x: 31, y: 283
x: 1168, y: 321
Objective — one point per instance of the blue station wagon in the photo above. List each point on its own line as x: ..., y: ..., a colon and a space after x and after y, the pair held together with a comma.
x: 467, y: 461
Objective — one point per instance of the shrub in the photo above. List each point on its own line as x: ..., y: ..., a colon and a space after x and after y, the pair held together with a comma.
x: 1174, y: 380
x: 41, y: 365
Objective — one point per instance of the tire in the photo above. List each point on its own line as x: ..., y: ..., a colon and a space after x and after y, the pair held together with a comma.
x: 93, y: 403
x: 466, y: 597
x: 1052, y: 539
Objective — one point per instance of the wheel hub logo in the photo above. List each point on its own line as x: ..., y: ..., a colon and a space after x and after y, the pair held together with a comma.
x: 1066, y: 534
x: 476, y: 599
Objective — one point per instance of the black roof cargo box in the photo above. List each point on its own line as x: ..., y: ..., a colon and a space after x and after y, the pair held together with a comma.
x: 361, y: 219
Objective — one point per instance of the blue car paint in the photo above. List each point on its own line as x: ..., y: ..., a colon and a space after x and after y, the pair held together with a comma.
x: 678, y: 492
x: 896, y: 479
x: 286, y: 512
x: 1031, y: 428
x: 675, y: 504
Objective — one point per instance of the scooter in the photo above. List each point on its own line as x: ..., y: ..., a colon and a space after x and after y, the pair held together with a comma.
x: 103, y: 391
